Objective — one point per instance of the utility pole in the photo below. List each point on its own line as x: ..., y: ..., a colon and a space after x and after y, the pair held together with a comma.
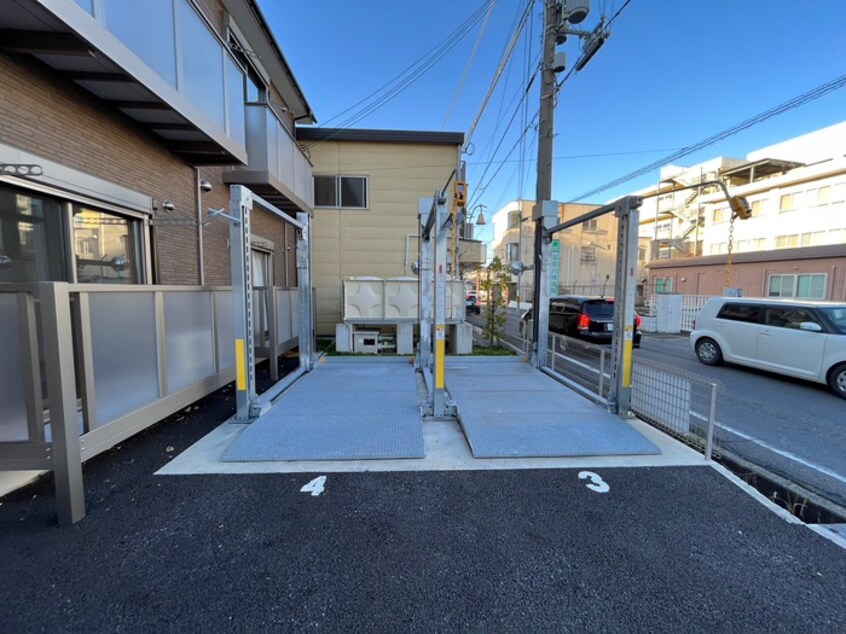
x: 546, y: 129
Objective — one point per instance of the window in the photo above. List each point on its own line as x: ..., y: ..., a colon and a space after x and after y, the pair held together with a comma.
x: 340, y: 191
x: 32, y: 238
x: 757, y: 205
x: 720, y: 214
x: 591, y: 225
x: 749, y: 313
x: 35, y: 241
x: 810, y: 286
x: 588, y: 254
x: 788, y: 317
x: 785, y: 203
x: 513, y: 219
x: 813, y: 238
x: 255, y: 90
x: 783, y: 242
x: 105, y: 246
x: 838, y: 192
x: 823, y: 194
x: 664, y: 285
x: 512, y: 251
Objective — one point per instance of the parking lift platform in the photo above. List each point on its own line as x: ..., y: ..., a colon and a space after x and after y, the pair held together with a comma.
x: 508, y: 409
x: 345, y: 409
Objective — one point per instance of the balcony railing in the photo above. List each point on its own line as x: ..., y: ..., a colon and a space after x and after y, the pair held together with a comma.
x: 277, y: 169
x: 86, y: 366
x: 159, y: 63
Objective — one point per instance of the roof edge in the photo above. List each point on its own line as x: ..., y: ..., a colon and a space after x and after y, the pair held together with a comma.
x: 379, y: 136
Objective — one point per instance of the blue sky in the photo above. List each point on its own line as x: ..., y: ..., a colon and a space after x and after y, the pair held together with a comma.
x: 671, y: 74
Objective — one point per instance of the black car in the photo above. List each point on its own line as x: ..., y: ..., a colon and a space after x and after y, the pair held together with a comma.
x: 587, y: 318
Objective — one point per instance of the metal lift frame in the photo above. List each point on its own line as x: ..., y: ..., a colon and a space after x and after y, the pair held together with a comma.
x: 435, y: 223
x: 248, y: 405
x: 628, y: 218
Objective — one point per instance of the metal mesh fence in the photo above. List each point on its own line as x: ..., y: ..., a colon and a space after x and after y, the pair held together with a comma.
x: 680, y: 403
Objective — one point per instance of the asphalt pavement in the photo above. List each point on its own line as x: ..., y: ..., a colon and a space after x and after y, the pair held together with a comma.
x: 793, y: 430
x: 654, y: 549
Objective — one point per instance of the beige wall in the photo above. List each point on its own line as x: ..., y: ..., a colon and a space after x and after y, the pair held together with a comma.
x: 353, y: 242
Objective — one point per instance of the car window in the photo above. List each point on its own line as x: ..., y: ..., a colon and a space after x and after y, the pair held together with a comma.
x: 788, y: 317
x: 556, y: 307
x: 599, y: 309
x: 837, y: 315
x: 740, y: 312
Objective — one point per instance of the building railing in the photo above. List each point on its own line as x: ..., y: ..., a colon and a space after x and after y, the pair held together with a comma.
x: 86, y: 366
x: 271, y: 148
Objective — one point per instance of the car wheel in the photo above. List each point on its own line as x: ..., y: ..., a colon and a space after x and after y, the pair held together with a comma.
x: 709, y: 352
x: 837, y: 380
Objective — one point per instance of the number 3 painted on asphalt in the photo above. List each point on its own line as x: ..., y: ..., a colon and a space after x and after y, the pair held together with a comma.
x: 596, y: 482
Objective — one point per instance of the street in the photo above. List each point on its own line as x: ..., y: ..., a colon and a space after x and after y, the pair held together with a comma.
x: 792, y: 428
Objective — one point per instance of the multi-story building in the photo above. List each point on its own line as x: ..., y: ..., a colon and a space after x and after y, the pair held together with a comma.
x: 367, y: 184
x: 125, y: 107
x: 793, y: 243
x: 584, y: 256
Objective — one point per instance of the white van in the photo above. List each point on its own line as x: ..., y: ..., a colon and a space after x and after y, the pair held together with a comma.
x: 803, y: 339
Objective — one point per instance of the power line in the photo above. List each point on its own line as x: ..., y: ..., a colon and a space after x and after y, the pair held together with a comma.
x: 408, y: 76
x: 469, y: 64
x: 790, y: 104
x: 505, y: 57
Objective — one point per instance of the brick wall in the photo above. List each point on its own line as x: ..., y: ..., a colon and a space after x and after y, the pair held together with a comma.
x: 48, y: 116
x: 43, y: 114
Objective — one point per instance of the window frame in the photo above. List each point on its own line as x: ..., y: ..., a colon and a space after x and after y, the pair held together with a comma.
x: 795, y: 285
x: 338, y: 201
x: 139, y: 224
x: 723, y: 312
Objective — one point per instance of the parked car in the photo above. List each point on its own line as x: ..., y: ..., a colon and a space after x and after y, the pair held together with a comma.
x: 471, y: 303
x: 587, y: 318
x: 803, y: 339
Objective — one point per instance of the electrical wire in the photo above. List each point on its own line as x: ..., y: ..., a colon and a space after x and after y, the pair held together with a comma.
x: 469, y: 64
x: 790, y: 104
x: 503, y: 60
x: 407, y: 77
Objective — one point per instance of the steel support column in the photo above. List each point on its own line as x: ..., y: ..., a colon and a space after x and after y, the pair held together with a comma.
x: 441, y: 237
x: 628, y: 219
x: 424, y: 344
x: 546, y: 215
x: 240, y: 205
x: 306, y: 313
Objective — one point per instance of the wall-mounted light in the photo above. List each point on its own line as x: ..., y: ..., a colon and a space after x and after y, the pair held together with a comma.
x: 206, y: 186
x: 168, y: 206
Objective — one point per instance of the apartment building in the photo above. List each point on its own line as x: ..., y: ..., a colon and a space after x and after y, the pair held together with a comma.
x: 367, y: 184
x: 791, y: 246
x: 123, y: 109
x: 584, y: 256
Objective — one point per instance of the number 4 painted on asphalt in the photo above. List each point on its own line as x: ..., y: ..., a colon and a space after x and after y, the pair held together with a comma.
x: 315, y: 487
x: 596, y: 482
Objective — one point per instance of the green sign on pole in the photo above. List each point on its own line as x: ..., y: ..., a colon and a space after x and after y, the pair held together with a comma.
x: 553, y: 274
